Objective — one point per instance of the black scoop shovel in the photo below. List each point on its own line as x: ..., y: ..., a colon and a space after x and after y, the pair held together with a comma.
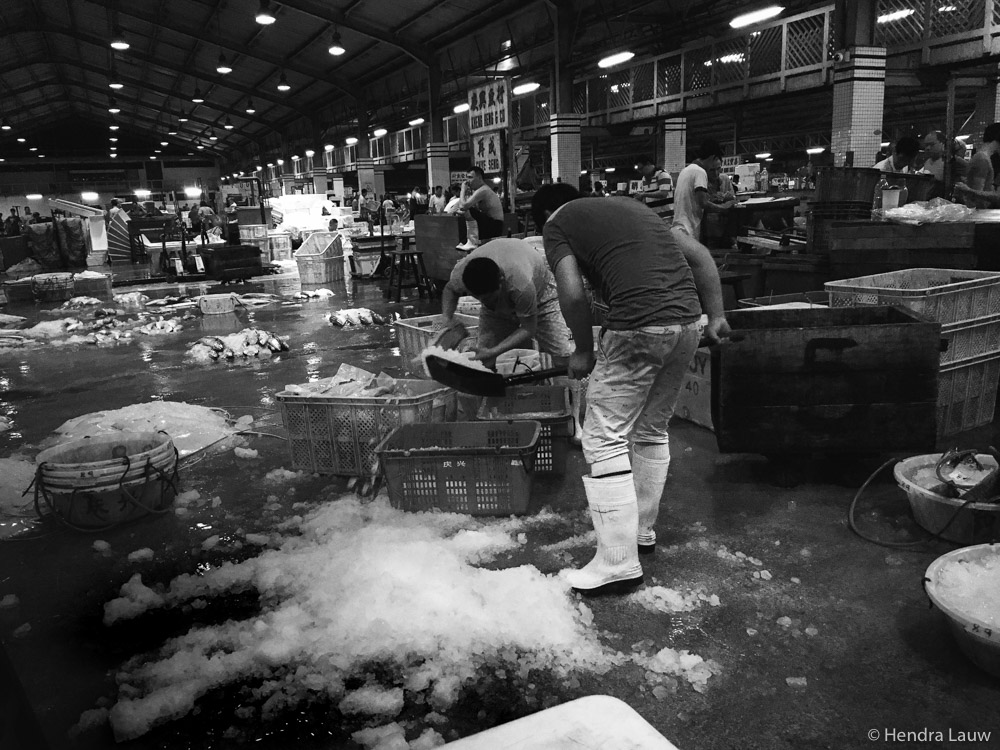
x: 476, y: 382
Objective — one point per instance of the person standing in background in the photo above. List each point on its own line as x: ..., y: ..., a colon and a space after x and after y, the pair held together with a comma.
x: 483, y: 204
x: 12, y: 224
x: 903, y: 155
x: 977, y: 190
x: 657, y: 185
x: 205, y: 217
x: 232, y: 223
x: 691, y: 195
x: 438, y: 201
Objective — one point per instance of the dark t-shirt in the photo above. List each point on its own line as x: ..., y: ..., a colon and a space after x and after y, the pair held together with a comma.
x: 628, y: 253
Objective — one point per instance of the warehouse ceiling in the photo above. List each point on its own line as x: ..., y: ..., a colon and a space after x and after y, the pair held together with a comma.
x: 57, y: 65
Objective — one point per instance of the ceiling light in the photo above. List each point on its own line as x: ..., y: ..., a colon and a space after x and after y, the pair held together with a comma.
x: 526, y: 88
x: 418, y: 121
x: 141, y: 193
x: 756, y: 16
x: 113, y: 139
x: 113, y: 107
x: 351, y: 141
x: 616, y: 59
x: 112, y: 148
x: 816, y: 150
x: 192, y: 192
x: 310, y: 153
x: 264, y: 16
x: 4, y: 125
x: 223, y: 67
x: 152, y: 157
x: 328, y: 147
x: 280, y: 162
x: 228, y: 124
x: 258, y: 169
x: 90, y: 196
x: 884, y: 144
x: 895, y: 15
x: 157, y: 151
x: 118, y: 40
x: 34, y: 196
x: 41, y: 156
x: 163, y: 143
x: 21, y: 140
x: 112, y: 127
x: 379, y: 132
x: 171, y: 132
x: 583, y: 171
x: 270, y: 164
x: 33, y: 148
x: 114, y: 81
x: 459, y: 108
x: 200, y: 147
x: 764, y: 155
x: 113, y: 156
x: 295, y: 157
x: 197, y: 98
x: 182, y: 117
x: 212, y: 136
x: 283, y: 84
x: 336, y: 48
x: 250, y: 108
x: 609, y: 169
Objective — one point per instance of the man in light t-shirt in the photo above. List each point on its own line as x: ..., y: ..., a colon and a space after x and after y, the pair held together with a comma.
x: 691, y: 194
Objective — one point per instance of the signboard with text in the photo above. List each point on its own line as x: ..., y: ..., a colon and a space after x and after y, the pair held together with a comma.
x: 489, y: 107
x: 487, y: 152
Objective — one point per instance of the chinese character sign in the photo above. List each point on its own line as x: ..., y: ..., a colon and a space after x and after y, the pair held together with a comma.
x: 487, y: 152
x: 489, y: 107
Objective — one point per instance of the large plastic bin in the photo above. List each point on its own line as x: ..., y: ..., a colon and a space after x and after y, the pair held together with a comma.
x: 549, y: 406
x: 338, y: 435
x: 416, y: 334
x: 479, y: 468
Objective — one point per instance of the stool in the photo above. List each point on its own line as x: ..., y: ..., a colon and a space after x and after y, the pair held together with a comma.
x: 401, y: 262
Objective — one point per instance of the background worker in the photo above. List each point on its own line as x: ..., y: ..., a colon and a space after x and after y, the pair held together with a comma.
x: 520, y: 302
x: 977, y: 190
x: 657, y: 185
x: 483, y: 204
x: 651, y: 279
x: 691, y: 196
x: 903, y: 156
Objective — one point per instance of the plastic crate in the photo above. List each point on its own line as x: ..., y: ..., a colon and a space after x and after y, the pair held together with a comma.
x: 480, y: 468
x: 364, y: 262
x: 416, y: 334
x: 967, y: 394
x: 320, y: 269
x: 98, y: 288
x: 469, y: 306
x: 971, y: 340
x: 339, y: 435
x: 253, y: 231
x: 940, y: 294
x: 549, y: 406
x: 19, y: 291
x: 52, y: 287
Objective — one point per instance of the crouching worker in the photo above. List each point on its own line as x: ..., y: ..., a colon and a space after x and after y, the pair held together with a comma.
x: 651, y: 281
x: 517, y: 291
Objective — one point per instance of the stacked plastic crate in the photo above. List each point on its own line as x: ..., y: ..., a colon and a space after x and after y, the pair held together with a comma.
x: 967, y: 305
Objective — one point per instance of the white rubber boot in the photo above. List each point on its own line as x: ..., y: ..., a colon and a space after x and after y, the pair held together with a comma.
x: 615, y: 568
x: 650, y: 477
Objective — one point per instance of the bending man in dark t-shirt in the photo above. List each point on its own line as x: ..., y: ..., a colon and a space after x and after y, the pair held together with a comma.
x: 651, y: 279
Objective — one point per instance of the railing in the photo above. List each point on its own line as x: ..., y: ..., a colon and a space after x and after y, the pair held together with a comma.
x: 941, y: 29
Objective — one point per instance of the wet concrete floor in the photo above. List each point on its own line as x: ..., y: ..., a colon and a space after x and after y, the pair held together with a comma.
x: 874, y: 656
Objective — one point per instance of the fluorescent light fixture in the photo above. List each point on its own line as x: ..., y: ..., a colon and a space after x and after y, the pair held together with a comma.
x: 816, y: 150
x: 328, y: 147
x: 113, y: 107
x: 182, y: 117
x: 197, y: 98
x: 34, y: 196
x: 228, y: 124
x: 258, y: 169
x: 141, y: 193
x: 4, y: 125
x: 264, y: 16
x: 756, y: 16
x: 115, y: 84
x: 33, y: 148
x: 223, y: 67
x: 270, y: 164
x: 295, y: 157
x: 112, y: 148
x: 615, y: 59
x: 192, y: 192
x: 90, y: 196
x: 526, y: 88
x: 250, y: 108
x: 200, y: 147
x: 157, y: 151
x: 171, y: 132
x: 21, y: 140
x: 153, y: 158
x: 212, y: 136
x: 884, y: 144
x: 583, y: 171
x: 310, y: 153
x: 118, y: 40
x: 496, y: 180
x: 418, y: 121
x: 379, y: 132
x: 280, y: 162
x: 609, y: 169
x: 768, y: 159
x: 764, y: 155
x: 460, y: 108
x: 112, y: 127
x: 113, y: 156
x: 283, y: 84
x: 164, y: 143
x: 113, y: 139
x: 351, y: 141
x: 895, y: 15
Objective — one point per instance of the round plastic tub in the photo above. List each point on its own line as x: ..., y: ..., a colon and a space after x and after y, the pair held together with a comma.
x: 978, y: 639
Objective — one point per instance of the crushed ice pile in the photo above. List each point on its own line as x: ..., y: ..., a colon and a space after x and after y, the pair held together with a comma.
x: 362, y: 585
x: 191, y: 427
x: 972, y: 587
x: 352, y: 382
x: 452, y: 355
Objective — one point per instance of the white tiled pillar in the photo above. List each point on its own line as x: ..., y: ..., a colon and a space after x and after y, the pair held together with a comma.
x: 675, y: 145
x: 565, y: 132
x: 858, y: 106
x: 366, y: 175
x: 438, y: 165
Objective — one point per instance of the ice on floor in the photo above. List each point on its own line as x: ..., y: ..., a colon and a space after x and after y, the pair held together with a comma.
x: 9, y: 601
x: 282, y: 474
x: 372, y: 700
x: 663, y: 599
x: 16, y: 475
x: 360, y: 583
x: 247, y: 453
x: 101, y: 546
x: 684, y: 664
x: 191, y: 427
x: 140, y: 555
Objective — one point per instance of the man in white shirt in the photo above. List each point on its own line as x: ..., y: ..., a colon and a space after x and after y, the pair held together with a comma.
x: 438, y: 201
x: 691, y: 195
x: 903, y: 156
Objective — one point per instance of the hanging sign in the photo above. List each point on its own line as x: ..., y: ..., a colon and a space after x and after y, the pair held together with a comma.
x: 487, y: 152
x: 489, y: 107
